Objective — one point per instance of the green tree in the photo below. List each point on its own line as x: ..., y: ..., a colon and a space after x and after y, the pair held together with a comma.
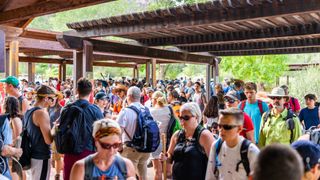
x: 260, y: 69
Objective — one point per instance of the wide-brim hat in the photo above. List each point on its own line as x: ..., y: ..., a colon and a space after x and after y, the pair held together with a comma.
x: 277, y: 92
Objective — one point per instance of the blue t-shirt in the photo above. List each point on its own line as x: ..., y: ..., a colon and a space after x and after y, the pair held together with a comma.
x: 7, y: 140
x: 254, y: 112
x: 91, y: 114
x: 113, y: 171
x: 310, y: 117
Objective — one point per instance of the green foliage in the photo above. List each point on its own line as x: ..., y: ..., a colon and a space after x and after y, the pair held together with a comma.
x: 193, y: 70
x: 45, y: 71
x: 162, y: 4
x: 260, y: 69
x: 305, y: 82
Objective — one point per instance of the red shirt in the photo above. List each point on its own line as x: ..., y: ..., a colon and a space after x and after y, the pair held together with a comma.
x: 247, y: 125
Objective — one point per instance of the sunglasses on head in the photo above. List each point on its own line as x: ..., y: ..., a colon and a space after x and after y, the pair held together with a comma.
x: 108, y: 146
x: 231, y: 101
x: 186, y: 117
x: 277, y: 98
x: 227, y: 127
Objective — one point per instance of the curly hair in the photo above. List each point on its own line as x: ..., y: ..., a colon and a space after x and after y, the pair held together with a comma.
x: 11, y: 107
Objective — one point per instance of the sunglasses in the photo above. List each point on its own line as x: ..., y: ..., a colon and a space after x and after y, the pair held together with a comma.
x: 186, y: 117
x: 108, y: 146
x: 277, y: 98
x: 231, y: 101
x: 227, y: 127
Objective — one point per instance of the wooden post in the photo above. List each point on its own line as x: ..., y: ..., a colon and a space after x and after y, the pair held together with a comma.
x: 208, y: 78
x: 88, y: 59
x: 60, y: 72
x: 2, y: 51
x: 7, y: 63
x: 31, y: 72
x: 216, y: 70
x: 288, y: 79
x: 154, y: 73
x: 148, y: 72
x: 14, y: 58
x: 77, y: 72
x: 137, y: 69
x: 64, y: 70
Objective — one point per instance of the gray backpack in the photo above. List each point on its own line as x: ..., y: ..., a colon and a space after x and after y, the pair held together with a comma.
x: 314, y: 134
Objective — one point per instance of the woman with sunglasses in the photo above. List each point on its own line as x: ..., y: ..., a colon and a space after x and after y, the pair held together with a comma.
x: 106, y: 163
x: 189, y: 148
x: 225, y: 159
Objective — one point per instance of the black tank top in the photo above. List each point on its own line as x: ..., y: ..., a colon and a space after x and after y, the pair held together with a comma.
x: 40, y: 150
x: 189, y: 158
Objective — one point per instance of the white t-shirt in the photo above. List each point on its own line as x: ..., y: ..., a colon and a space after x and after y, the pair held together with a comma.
x: 229, y: 158
x: 127, y: 120
x: 148, y: 104
x: 161, y: 115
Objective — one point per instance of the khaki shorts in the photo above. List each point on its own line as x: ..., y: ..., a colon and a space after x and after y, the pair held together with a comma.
x: 55, y: 155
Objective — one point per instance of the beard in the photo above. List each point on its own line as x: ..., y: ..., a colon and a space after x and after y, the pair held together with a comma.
x: 277, y: 105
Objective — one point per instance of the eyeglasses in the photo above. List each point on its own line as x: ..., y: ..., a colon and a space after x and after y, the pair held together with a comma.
x: 231, y: 101
x: 227, y: 126
x: 185, y: 118
x: 109, y: 146
x: 277, y: 98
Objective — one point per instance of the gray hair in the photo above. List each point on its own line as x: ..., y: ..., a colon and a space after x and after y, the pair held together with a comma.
x: 135, y: 93
x: 193, y: 108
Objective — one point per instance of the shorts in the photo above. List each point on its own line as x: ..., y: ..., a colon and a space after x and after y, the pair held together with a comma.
x: 156, y: 154
x: 40, y: 169
x: 55, y: 155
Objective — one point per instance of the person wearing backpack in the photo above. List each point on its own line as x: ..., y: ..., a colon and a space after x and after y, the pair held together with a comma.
x: 253, y: 107
x: 129, y: 120
x: 189, y: 147
x: 310, y: 116
x: 231, y: 156
x: 106, y: 163
x: 12, y: 89
x: 37, y: 123
x: 81, y: 115
x: 279, y: 125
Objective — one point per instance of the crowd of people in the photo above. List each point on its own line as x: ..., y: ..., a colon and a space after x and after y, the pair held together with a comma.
x: 109, y: 129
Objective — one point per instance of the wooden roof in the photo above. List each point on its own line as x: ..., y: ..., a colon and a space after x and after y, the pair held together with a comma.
x: 19, y: 13
x: 222, y: 27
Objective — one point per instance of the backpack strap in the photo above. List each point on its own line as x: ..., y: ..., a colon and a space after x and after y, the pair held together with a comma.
x: 260, y: 107
x: 218, y: 163
x: 88, y: 167
x: 265, y: 119
x: 20, y: 99
x: 290, y: 123
x: 121, y: 165
x: 244, y: 156
x: 243, y: 104
x: 136, y: 110
x: 293, y: 102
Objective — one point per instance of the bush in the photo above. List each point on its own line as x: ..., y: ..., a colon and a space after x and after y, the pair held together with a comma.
x: 305, y: 82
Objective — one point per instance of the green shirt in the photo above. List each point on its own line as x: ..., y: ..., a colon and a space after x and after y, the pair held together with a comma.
x: 275, y: 129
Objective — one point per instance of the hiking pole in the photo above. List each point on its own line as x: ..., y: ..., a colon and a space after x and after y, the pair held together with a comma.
x: 164, y: 149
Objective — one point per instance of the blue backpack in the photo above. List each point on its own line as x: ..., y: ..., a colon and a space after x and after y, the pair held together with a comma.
x: 147, y: 135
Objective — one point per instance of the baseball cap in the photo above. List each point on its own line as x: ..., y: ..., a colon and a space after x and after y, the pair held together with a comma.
x: 11, y: 80
x: 232, y: 95
x: 309, y: 151
x: 100, y: 95
x: 149, y: 89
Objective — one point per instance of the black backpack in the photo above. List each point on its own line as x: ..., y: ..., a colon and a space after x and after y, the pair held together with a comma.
x: 26, y: 145
x: 71, y: 135
x: 289, y: 121
x: 171, y: 126
x: 147, y: 135
x: 88, y: 166
x: 243, y: 154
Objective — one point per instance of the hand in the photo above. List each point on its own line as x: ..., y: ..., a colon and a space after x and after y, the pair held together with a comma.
x: 18, y: 152
x: 163, y: 156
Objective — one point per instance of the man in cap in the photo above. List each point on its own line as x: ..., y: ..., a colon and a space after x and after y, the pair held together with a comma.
x: 12, y: 88
x: 310, y: 154
x: 231, y: 100
x: 279, y: 125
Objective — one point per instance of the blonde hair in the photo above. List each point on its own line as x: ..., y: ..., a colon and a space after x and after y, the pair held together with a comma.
x: 159, y: 97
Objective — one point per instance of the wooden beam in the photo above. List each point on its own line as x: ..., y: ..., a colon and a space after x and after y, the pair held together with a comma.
x: 205, y: 14
x: 39, y: 34
x: 77, y: 72
x: 43, y: 60
x: 14, y: 58
x: 43, y: 8
x: 235, y: 37
x: 11, y: 32
x: 7, y: 63
x: 41, y: 44
x: 113, y: 65
x: 148, y: 72
x: 269, y: 52
x: 2, y: 51
x: 276, y: 44
x: 73, y: 42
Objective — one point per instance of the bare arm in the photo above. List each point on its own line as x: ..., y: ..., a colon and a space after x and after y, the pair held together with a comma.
x: 77, y: 171
x: 206, y: 140
x: 25, y: 106
x: 131, y: 172
x: 250, y: 136
x: 42, y: 120
x: 17, y: 128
